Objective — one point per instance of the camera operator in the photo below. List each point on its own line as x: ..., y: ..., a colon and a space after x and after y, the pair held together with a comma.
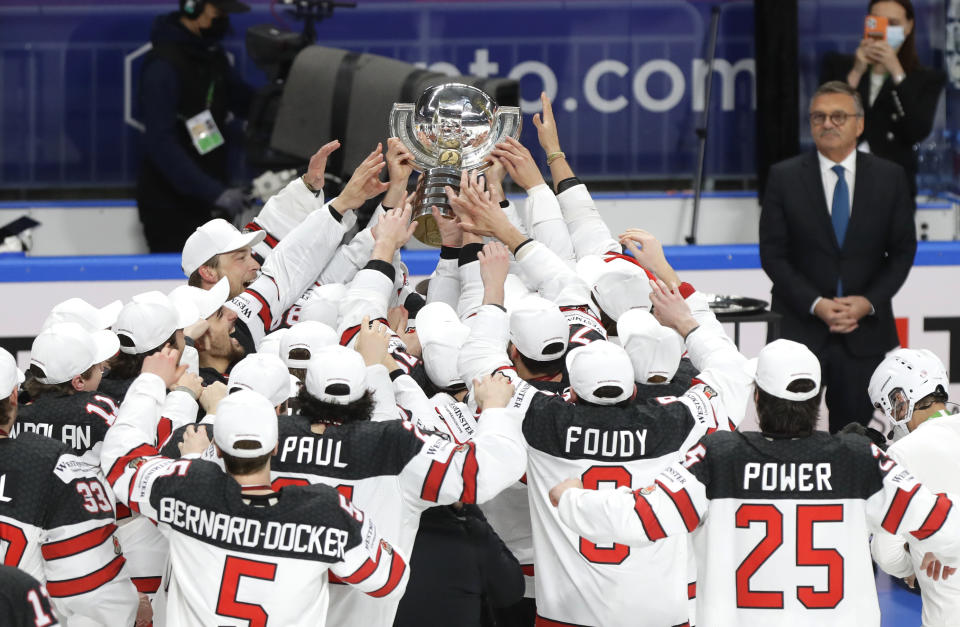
x: 187, y: 88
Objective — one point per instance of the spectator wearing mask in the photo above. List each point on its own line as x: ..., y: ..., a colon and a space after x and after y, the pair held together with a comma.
x: 187, y: 89
x: 900, y: 94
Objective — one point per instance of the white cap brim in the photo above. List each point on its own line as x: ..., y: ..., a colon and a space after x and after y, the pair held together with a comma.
x: 236, y: 242
x: 107, y: 343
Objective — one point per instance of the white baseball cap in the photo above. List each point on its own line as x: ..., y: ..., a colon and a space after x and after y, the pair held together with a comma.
x: 149, y: 319
x: 10, y: 376
x: 441, y: 336
x: 617, y: 283
x: 245, y: 415
x: 270, y: 343
x: 83, y: 313
x: 214, y: 238
x: 337, y: 375
x: 600, y: 373
x: 782, y: 362
x: 206, y: 302
x: 653, y: 349
x: 66, y: 349
x: 263, y: 373
x: 539, y: 329
x: 323, y: 304
x: 308, y: 335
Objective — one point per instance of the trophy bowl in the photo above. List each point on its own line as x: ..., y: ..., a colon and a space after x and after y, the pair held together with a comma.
x: 450, y: 128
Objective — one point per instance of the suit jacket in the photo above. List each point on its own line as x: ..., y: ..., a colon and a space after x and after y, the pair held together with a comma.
x: 800, y: 253
x: 900, y: 117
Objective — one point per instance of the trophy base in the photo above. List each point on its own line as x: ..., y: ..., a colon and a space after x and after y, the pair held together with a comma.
x: 430, y: 193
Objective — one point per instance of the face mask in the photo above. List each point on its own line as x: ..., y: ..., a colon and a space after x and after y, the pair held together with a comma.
x: 219, y: 26
x: 895, y: 36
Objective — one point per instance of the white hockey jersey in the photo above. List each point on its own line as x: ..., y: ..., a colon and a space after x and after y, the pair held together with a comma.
x: 930, y: 453
x: 394, y: 472
x: 238, y: 560
x: 783, y: 524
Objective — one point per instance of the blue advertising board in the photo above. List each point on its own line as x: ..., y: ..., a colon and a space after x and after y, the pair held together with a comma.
x: 627, y: 77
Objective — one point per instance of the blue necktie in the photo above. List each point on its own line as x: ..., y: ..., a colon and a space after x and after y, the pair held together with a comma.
x: 840, y: 212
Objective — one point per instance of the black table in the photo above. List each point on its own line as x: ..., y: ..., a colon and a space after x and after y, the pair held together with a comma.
x: 771, y: 318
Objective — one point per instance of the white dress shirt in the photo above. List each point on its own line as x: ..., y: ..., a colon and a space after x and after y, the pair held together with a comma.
x: 829, y: 177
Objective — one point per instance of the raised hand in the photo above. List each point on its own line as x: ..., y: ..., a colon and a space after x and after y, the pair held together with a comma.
x: 195, y: 441
x: 212, y: 395
x: 492, y: 392
x: 647, y: 250
x: 364, y: 184
x: 475, y: 209
x: 670, y: 309
x: 450, y: 233
x: 166, y: 365
x: 191, y: 382
x: 494, y: 263
x: 399, y: 168
x: 546, y: 126
x: 318, y: 165
x: 518, y: 162
x: 394, y: 229
x: 372, y: 341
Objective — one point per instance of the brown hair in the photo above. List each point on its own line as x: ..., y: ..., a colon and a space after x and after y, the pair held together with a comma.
x: 127, y: 366
x: 195, y: 280
x: 8, y: 411
x: 35, y: 389
x: 782, y: 417
x: 907, y: 54
x: 245, y: 465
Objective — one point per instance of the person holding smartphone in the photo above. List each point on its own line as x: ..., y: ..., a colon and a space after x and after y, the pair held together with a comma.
x: 900, y: 94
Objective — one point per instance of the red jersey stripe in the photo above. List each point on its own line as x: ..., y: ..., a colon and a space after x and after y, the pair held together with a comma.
x: 898, y: 508
x: 397, y: 566
x: 78, y: 543
x: 934, y: 519
x: 144, y: 450
x: 366, y: 569
x: 87, y: 583
x: 470, y: 470
x: 434, y: 479
x: 651, y: 525
x: 146, y: 585
x: 681, y: 499
x: 265, y: 316
x: 164, y: 429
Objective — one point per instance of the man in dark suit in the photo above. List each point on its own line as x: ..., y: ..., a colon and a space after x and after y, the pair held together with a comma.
x: 837, y: 238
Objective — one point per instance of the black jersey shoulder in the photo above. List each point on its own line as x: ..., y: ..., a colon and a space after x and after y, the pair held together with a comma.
x: 311, y: 523
x: 748, y: 465
x: 585, y: 431
x: 17, y: 604
x: 357, y: 450
x: 79, y: 420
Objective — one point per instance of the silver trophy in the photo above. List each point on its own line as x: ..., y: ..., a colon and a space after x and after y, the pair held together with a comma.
x: 451, y: 128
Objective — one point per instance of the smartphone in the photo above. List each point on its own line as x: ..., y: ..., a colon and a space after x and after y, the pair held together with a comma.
x: 875, y: 27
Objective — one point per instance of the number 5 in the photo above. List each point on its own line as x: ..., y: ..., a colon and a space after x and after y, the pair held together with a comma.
x: 227, y: 603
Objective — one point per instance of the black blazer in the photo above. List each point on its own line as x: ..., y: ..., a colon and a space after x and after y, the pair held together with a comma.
x: 900, y: 117
x: 800, y: 254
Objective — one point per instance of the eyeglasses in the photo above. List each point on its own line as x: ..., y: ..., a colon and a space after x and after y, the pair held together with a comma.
x: 839, y: 118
